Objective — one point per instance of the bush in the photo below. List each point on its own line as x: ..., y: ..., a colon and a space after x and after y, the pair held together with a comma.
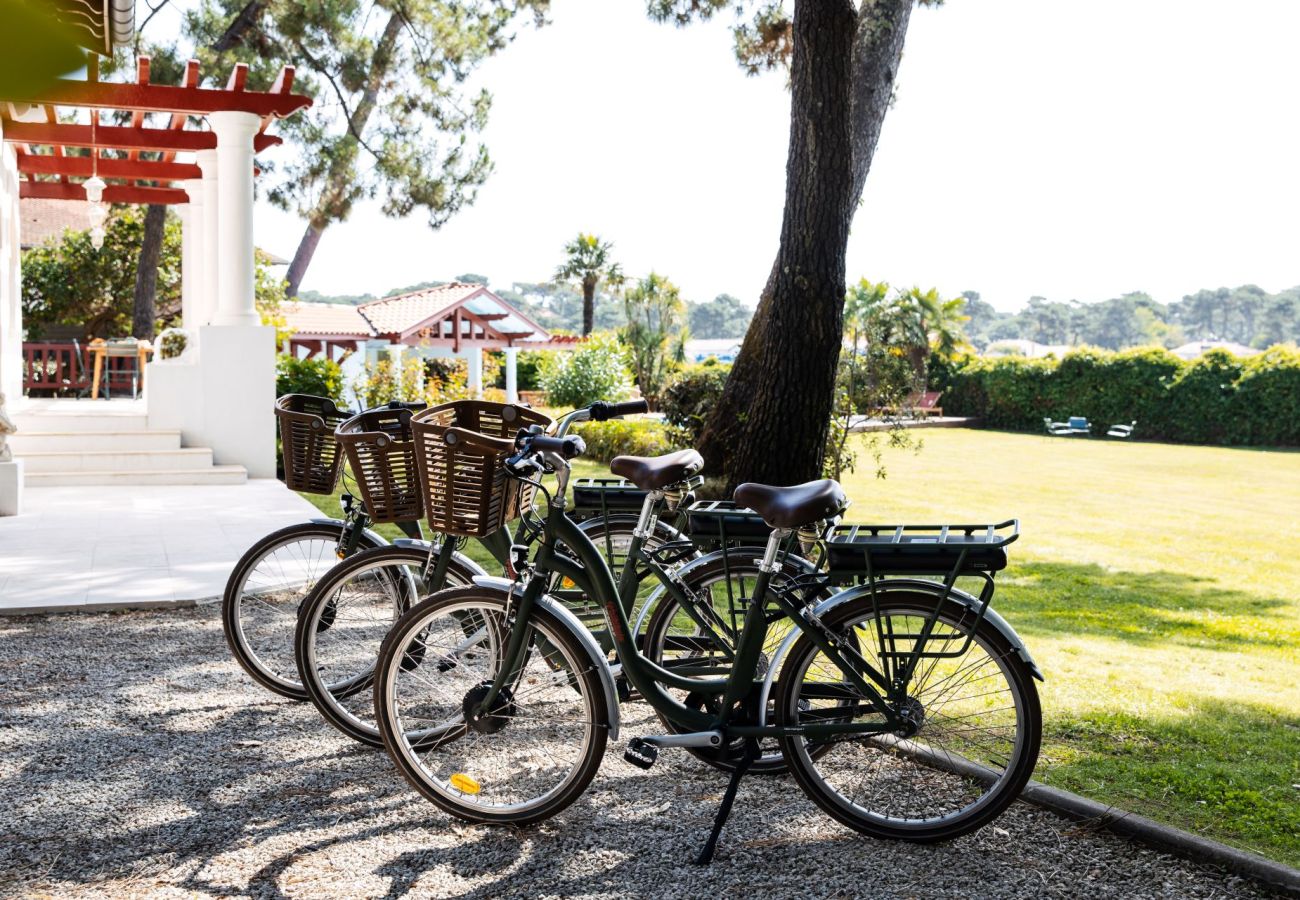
x: 527, y: 370
x: 693, y: 395
x: 638, y: 437
x: 318, y: 377
x: 596, y: 371
x: 1215, y: 399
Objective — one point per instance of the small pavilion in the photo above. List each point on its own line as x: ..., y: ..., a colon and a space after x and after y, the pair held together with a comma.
x: 456, y: 319
x: 188, y: 145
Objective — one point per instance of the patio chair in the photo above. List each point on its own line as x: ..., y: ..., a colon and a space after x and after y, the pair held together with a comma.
x: 1057, y: 429
x: 1079, y: 425
x: 122, y: 349
x: 1121, y: 431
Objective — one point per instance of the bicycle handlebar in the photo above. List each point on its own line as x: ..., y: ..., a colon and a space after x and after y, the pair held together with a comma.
x: 601, y: 411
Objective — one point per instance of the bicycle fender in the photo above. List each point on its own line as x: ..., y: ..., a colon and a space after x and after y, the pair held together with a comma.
x: 375, y: 536
x: 460, y: 559
x: 901, y: 584
x: 570, y: 621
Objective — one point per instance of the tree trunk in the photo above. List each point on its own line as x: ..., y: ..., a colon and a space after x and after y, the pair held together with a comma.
x: 770, y: 424
x: 146, y: 273
x: 302, y: 258
x: 588, y: 305
x: 772, y: 420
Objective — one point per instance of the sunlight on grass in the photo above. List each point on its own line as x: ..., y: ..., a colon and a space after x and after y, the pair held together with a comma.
x: 1158, y: 587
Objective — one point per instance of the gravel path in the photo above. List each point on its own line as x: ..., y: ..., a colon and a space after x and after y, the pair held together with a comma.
x: 136, y: 759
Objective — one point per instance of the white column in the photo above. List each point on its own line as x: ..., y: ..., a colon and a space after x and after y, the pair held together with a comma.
x: 474, y: 355
x: 206, y: 295
x: 191, y: 223
x: 235, y: 132
x: 512, y: 375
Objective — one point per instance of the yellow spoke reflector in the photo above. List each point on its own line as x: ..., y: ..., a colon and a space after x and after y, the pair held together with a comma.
x: 566, y: 583
x: 463, y: 783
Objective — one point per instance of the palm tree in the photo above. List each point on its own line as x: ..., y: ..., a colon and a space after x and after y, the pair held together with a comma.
x: 655, y: 332
x: 588, y: 263
x: 933, y: 324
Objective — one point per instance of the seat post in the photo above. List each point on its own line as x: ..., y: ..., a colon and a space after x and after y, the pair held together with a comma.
x: 645, y: 525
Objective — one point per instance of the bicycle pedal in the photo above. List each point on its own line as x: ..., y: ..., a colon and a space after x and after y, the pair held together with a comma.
x: 641, y: 753
x: 624, y: 690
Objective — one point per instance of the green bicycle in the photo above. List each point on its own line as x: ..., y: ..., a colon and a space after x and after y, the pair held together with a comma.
x: 904, y: 707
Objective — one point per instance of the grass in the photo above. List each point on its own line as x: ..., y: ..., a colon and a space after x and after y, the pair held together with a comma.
x: 1158, y: 587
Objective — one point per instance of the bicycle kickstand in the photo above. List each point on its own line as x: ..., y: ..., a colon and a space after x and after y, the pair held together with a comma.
x: 728, y: 798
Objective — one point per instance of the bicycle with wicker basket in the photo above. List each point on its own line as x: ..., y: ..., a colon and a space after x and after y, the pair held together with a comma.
x: 905, y: 707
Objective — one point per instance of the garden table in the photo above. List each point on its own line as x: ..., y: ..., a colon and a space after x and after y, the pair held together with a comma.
x: 98, y: 348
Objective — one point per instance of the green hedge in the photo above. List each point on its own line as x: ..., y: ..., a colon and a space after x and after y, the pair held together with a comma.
x: 637, y: 437
x: 1215, y: 399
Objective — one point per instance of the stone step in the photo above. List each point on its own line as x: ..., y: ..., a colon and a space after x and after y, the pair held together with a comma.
x: 209, y: 475
x: 80, y: 422
x: 26, y: 442
x: 117, y: 460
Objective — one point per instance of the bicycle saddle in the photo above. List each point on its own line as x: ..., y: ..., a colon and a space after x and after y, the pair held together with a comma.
x: 795, y: 506
x: 650, y: 473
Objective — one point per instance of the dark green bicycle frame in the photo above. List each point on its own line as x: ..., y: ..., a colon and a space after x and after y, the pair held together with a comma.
x: 591, y: 573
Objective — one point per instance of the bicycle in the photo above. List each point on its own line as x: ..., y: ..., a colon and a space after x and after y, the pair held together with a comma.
x: 924, y: 695
x: 259, y: 606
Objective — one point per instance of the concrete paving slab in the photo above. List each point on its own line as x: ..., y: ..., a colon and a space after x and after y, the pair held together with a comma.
x: 79, y: 548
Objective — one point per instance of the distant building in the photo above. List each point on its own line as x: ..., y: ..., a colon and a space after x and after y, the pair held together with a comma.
x: 1196, y: 348
x: 724, y: 350
x: 1027, y: 349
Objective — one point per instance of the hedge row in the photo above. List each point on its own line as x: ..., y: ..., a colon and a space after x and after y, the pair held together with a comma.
x: 1217, y: 398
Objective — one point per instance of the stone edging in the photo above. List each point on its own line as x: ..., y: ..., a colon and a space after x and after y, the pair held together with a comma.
x: 1280, y: 877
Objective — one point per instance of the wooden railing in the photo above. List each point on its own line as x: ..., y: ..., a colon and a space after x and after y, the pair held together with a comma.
x: 53, y: 368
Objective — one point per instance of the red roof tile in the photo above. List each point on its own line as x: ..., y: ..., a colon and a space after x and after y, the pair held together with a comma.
x: 396, y: 315
x: 324, y: 318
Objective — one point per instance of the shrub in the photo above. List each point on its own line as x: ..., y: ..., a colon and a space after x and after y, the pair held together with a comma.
x: 637, y: 437
x: 319, y: 377
x: 693, y: 395
x: 595, y: 371
x: 1215, y: 399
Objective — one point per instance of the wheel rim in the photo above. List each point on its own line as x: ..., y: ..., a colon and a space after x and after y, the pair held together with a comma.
x: 268, y: 600
x: 969, y: 746
x: 345, y: 630
x: 510, y: 771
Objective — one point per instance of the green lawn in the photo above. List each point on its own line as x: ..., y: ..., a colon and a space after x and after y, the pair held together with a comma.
x: 1158, y: 587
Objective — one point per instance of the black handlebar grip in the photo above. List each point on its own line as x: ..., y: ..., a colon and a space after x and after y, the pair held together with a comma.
x: 568, y: 447
x: 601, y: 411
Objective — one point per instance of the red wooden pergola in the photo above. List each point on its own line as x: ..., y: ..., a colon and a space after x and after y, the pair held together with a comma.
x: 115, y: 150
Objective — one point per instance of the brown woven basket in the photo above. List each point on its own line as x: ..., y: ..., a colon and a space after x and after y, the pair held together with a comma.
x: 381, y: 455
x: 311, y: 454
x: 466, y: 490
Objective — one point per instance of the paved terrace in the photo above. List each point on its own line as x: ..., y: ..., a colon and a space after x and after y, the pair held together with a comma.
x: 86, y: 548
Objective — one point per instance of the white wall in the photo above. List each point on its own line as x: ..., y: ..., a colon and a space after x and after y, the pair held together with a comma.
x: 11, y: 323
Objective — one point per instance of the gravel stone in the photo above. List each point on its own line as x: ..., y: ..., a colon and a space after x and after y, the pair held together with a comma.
x: 137, y: 760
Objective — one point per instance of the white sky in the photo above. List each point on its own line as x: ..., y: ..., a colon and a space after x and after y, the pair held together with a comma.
x: 1073, y: 149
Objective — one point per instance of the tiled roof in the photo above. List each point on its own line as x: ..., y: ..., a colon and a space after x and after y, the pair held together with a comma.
x: 324, y: 318
x: 43, y: 220
x: 395, y: 315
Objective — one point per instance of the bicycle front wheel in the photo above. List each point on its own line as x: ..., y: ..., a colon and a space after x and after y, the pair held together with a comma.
x: 533, y: 754
x: 259, y: 608
x: 976, y: 716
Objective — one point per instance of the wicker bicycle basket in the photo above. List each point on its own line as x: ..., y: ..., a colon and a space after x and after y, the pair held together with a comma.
x: 310, y: 452
x: 466, y: 490
x: 381, y: 454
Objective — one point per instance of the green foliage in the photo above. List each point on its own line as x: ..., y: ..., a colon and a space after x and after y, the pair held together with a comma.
x: 528, y: 370
x: 655, y: 334
x: 318, y: 377
x: 589, y: 261
x: 637, y: 437
x: 1215, y: 399
x: 692, y: 397
x: 722, y: 317
x: 596, y: 371
x: 69, y: 282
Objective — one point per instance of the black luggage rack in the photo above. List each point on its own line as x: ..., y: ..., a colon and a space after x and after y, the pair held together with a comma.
x: 599, y: 497
x: 720, y: 523
x: 871, y: 550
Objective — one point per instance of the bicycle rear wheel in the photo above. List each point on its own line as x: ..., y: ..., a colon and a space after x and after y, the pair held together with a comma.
x: 978, y: 717
x: 534, y: 754
x: 343, y: 623
x: 259, y: 608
